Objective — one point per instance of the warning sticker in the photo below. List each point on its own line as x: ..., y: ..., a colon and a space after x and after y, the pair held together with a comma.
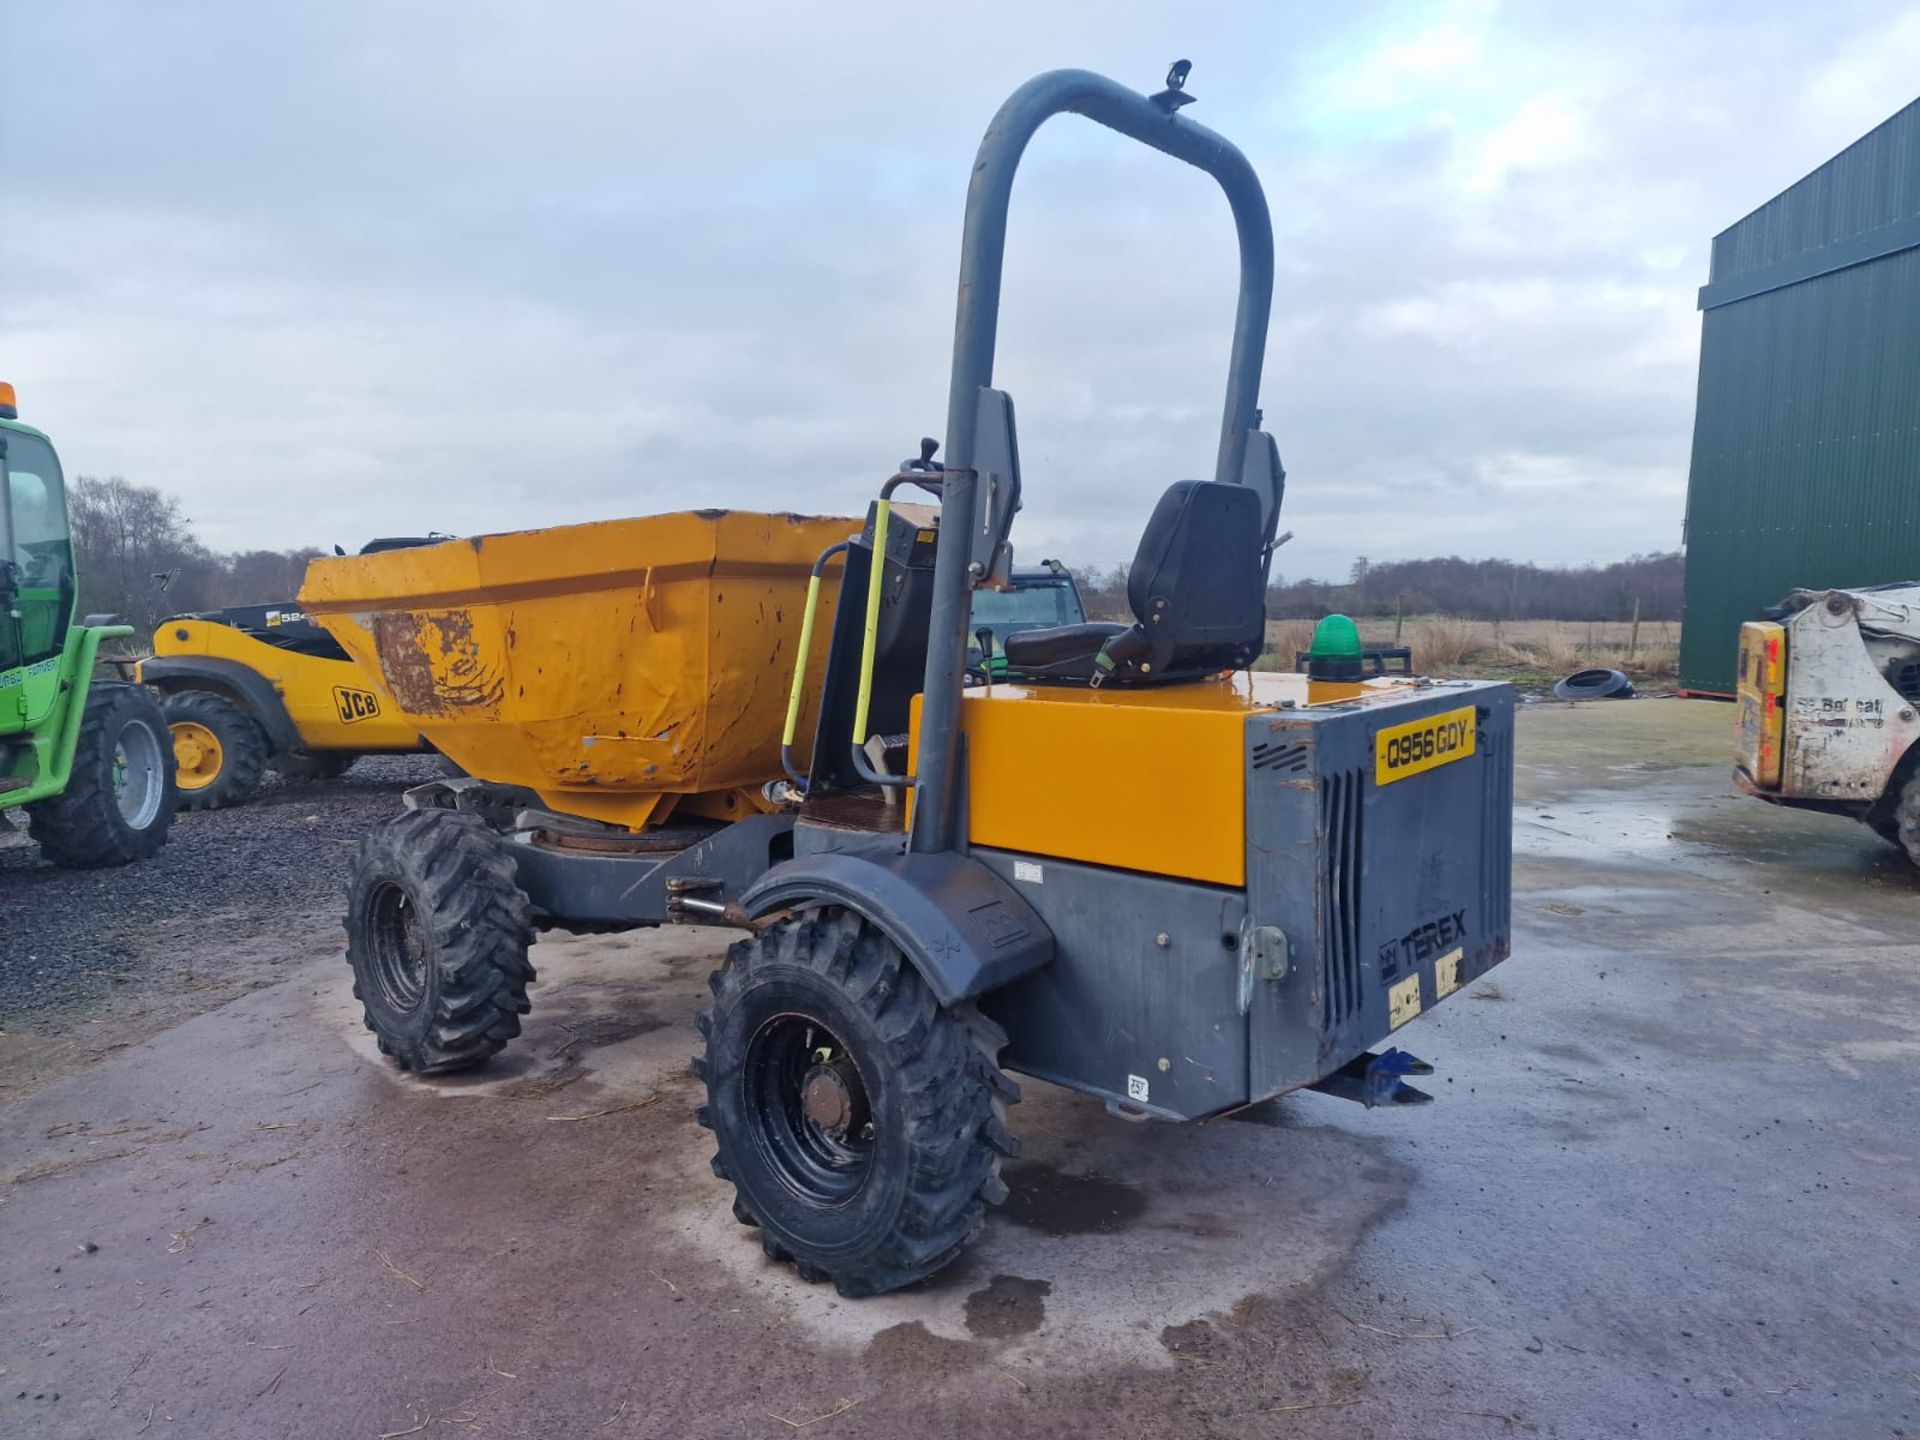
x: 1403, y: 1001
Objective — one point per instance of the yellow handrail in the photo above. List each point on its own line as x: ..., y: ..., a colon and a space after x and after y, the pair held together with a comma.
x: 800, y: 660
x: 870, y: 635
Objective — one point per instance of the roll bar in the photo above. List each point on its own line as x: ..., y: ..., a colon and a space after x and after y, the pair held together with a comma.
x: 1152, y: 121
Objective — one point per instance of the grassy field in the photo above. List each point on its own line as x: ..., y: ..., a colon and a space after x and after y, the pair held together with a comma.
x: 1533, y: 653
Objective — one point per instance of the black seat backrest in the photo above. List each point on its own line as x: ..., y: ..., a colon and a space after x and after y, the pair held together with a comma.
x: 1197, y: 588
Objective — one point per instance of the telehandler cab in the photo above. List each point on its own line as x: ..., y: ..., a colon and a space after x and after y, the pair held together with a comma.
x: 87, y: 759
x: 1139, y: 871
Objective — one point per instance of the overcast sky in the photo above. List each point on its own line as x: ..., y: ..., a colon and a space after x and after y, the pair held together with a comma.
x: 335, y: 270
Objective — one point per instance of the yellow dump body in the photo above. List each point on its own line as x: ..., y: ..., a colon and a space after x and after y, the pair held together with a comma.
x: 622, y: 669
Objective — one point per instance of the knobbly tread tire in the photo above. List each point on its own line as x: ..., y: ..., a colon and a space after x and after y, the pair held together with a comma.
x: 321, y: 765
x: 476, y: 924
x: 1906, y: 819
x: 243, y: 747
x: 943, y: 1085
x: 82, y: 827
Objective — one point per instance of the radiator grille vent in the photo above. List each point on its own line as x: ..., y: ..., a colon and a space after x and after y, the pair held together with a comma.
x: 1272, y: 755
x: 1341, y: 813
x: 1904, y: 676
x: 1496, y: 830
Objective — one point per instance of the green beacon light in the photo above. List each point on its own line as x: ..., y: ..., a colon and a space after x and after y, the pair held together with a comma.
x: 1336, y: 652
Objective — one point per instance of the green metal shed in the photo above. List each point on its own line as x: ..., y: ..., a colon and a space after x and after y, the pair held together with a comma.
x: 1806, y: 439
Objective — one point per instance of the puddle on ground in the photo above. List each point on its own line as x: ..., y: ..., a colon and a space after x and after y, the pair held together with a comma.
x: 1106, y: 1238
x: 1007, y: 1307
x: 1053, y: 1201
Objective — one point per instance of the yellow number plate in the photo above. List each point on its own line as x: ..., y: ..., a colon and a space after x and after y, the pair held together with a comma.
x: 1403, y: 750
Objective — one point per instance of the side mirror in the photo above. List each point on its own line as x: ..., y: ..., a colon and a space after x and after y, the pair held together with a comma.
x: 1266, y: 477
x: 996, y: 495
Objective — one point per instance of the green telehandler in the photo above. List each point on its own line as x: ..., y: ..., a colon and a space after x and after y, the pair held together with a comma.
x: 89, y: 761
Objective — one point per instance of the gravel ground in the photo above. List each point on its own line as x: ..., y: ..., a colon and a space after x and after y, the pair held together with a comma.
x: 1659, y: 1197
x: 228, y: 880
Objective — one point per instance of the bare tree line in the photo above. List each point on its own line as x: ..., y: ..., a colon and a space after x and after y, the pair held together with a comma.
x: 1470, y: 589
x: 139, y: 558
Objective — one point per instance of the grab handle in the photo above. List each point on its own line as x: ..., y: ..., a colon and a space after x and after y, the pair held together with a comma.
x: 800, y: 662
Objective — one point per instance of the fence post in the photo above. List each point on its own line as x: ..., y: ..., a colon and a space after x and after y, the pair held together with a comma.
x: 1633, y: 640
x: 1399, y: 607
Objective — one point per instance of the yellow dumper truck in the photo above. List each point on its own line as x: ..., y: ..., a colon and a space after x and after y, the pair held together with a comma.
x: 1138, y: 870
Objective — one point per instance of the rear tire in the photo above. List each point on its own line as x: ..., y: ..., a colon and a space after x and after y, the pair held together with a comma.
x: 861, y: 1123
x: 218, y: 749
x: 1905, y: 826
x: 120, y: 799
x: 322, y: 765
x: 437, y: 935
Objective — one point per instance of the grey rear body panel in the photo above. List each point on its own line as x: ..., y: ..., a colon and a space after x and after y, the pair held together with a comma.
x: 1368, y: 883
x: 1371, y: 883
x: 1115, y: 1003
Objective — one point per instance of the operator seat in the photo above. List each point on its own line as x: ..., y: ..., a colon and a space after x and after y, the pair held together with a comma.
x: 1197, y: 591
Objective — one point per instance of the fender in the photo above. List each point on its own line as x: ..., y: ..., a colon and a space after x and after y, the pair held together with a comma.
x: 54, y: 747
x: 168, y: 673
x: 964, y: 928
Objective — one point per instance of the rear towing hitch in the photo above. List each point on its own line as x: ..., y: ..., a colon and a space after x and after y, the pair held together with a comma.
x: 1375, y: 1079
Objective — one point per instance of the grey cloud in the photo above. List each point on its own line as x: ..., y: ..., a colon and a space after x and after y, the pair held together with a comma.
x: 337, y: 270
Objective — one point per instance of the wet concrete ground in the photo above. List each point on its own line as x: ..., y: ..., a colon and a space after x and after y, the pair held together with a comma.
x: 1669, y: 1190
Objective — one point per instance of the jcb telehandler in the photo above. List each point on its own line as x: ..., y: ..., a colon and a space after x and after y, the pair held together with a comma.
x: 1140, y: 871
x: 251, y: 688
x: 87, y: 759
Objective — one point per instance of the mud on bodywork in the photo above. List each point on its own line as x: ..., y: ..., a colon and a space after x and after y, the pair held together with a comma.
x: 432, y: 663
x: 1848, y: 726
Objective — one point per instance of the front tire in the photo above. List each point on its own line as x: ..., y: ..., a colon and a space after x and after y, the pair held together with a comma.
x: 120, y: 797
x: 437, y: 935
x: 861, y: 1123
x: 218, y: 749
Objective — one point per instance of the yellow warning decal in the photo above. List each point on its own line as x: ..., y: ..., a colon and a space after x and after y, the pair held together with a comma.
x: 1403, y: 750
x: 1446, y: 973
x: 1403, y: 1001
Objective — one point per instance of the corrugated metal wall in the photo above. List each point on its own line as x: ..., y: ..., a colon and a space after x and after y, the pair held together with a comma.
x: 1806, y: 443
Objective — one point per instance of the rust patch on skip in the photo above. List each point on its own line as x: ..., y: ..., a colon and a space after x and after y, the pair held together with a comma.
x: 432, y: 663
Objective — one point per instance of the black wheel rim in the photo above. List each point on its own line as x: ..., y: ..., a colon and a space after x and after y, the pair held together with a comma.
x: 808, y: 1108
x: 399, y: 952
